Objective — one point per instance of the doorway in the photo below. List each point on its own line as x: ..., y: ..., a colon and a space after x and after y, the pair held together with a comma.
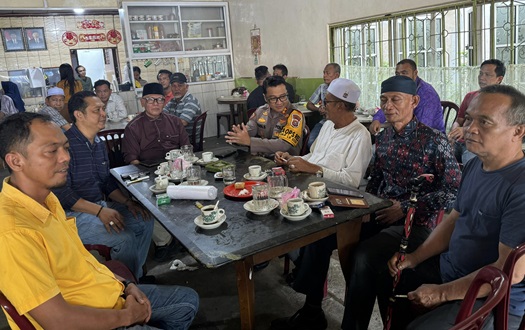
x: 100, y: 63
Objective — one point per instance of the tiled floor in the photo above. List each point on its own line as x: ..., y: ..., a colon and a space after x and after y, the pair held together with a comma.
x: 219, y: 306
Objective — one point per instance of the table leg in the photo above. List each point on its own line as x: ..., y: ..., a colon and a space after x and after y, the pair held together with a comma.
x: 347, y: 239
x: 241, y: 111
x: 246, y: 291
x: 233, y: 115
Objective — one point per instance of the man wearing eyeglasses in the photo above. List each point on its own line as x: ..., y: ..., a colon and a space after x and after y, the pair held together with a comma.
x: 275, y: 126
x: 183, y: 105
x: 153, y: 132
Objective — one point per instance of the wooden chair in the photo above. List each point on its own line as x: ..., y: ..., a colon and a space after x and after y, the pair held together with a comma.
x: 113, y: 139
x: 115, y: 266
x: 197, y: 137
x: 450, y: 113
x: 306, y: 135
x: 499, y: 282
x: 249, y: 113
x: 220, y: 115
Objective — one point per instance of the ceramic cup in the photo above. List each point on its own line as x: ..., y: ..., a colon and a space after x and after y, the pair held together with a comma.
x: 210, y: 214
x: 163, y: 168
x: 254, y: 170
x: 193, y: 175
x: 260, y: 197
x: 317, y: 190
x: 207, y: 156
x: 161, y: 182
x: 173, y: 154
x: 296, y: 206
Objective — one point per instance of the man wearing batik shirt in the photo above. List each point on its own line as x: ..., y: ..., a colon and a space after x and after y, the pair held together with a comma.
x: 428, y: 111
x: 404, y: 151
x: 275, y: 126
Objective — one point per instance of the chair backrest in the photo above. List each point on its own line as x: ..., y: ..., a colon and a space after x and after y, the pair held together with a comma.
x: 498, y: 280
x: 249, y: 113
x: 197, y: 137
x: 117, y: 267
x: 113, y: 140
x: 450, y: 113
x: 21, y: 321
x: 306, y: 135
x: 502, y: 311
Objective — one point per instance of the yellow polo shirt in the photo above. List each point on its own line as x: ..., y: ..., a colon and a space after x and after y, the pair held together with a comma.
x: 41, y: 255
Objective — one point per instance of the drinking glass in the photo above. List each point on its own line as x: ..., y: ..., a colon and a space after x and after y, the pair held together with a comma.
x: 260, y: 197
x: 193, y: 175
x: 228, y: 174
x: 187, y: 152
x: 277, y: 185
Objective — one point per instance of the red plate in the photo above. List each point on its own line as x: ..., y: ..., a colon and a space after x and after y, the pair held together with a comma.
x: 230, y: 191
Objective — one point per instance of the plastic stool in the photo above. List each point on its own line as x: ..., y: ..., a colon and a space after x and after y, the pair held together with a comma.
x: 220, y: 115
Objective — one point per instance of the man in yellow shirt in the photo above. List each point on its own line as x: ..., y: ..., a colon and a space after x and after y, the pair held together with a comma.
x: 46, y: 272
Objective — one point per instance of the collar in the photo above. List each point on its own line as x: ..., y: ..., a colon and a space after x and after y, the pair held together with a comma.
x: 408, y: 129
x: 182, y: 98
x: 148, y: 118
x: 29, y: 204
x: 78, y: 134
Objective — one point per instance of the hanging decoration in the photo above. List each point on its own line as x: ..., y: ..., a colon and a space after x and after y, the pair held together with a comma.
x: 91, y: 37
x: 90, y: 24
x: 114, y: 36
x: 69, y: 38
x: 255, y: 35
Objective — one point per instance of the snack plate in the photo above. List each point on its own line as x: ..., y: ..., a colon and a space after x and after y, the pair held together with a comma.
x: 297, y: 217
x: 272, y: 204
x: 230, y: 191
x: 216, y: 224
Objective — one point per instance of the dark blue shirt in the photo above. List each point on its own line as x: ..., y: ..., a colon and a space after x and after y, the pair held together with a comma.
x: 88, y: 175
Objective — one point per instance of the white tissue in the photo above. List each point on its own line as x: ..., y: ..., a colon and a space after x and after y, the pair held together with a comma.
x: 192, y: 192
x: 179, y: 265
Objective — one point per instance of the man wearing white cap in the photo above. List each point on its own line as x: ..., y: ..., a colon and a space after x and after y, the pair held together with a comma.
x: 343, y: 149
x: 54, y: 105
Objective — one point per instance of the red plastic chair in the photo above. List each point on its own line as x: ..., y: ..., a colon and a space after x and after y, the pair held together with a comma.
x: 499, y: 282
x: 20, y: 320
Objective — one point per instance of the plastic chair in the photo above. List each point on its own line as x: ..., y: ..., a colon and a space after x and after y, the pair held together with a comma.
x: 499, y: 282
x: 306, y: 135
x: 113, y: 139
x: 450, y: 113
x: 197, y: 137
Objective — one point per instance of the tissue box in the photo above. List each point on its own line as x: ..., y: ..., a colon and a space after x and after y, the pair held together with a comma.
x: 163, y: 199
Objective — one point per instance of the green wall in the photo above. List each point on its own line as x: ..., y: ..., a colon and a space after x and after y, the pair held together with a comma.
x: 303, y: 86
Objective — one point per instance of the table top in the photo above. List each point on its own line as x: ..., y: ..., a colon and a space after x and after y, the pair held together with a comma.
x: 243, y: 233
x: 363, y: 119
x: 229, y: 99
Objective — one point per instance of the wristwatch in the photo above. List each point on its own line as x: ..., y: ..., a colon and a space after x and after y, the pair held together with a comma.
x: 319, y: 173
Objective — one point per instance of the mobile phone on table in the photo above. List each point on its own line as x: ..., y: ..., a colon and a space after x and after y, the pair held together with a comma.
x: 344, y: 192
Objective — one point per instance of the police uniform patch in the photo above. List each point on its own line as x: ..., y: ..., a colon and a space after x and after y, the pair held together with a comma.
x: 293, y: 130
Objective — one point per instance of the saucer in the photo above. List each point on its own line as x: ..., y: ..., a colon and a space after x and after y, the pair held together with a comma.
x: 261, y: 177
x: 272, y: 204
x: 157, y: 172
x: 306, y: 197
x: 297, y: 217
x: 202, y: 162
x: 159, y: 191
x: 192, y: 159
x: 278, y: 195
x: 202, y: 183
x: 216, y: 224
x: 176, y: 179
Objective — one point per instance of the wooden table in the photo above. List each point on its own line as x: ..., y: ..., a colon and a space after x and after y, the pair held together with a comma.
x: 247, y: 239
x: 235, y: 101
x: 115, y: 125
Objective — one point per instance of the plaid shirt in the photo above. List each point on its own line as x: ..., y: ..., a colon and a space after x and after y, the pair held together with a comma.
x: 56, y: 117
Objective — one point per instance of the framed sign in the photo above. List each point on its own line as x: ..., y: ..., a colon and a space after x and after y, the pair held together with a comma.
x: 35, y: 38
x: 13, y: 40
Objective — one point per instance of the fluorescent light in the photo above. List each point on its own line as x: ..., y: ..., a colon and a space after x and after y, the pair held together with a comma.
x: 78, y: 10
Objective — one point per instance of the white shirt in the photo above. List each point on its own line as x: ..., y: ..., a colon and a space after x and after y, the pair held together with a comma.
x: 344, y: 153
x: 115, y: 109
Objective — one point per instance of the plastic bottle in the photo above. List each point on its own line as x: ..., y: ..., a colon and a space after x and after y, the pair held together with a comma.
x: 156, y: 34
x: 161, y: 32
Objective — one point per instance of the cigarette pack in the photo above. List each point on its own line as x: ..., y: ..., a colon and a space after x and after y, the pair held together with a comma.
x: 278, y: 171
x: 327, y: 212
x: 163, y: 199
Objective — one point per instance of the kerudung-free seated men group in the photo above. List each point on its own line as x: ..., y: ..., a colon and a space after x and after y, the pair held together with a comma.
x: 53, y: 202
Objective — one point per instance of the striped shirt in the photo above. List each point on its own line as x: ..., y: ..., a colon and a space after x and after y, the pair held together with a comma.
x: 56, y: 117
x: 88, y: 175
x: 187, y: 109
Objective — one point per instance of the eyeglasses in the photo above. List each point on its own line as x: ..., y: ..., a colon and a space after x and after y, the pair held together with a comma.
x: 151, y: 100
x: 282, y: 98
x: 325, y: 102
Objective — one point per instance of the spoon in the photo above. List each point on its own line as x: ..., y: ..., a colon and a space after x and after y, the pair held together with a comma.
x: 216, y: 204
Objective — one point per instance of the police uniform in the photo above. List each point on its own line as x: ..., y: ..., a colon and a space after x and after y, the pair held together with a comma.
x: 273, y: 131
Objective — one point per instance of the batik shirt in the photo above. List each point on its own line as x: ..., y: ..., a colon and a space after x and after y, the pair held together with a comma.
x: 415, y: 150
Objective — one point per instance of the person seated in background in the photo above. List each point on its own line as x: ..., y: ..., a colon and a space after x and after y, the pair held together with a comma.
x: 86, y: 82
x: 113, y: 103
x: 428, y: 111
x: 10, y: 100
x: 343, y: 148
x: 256, y: 97
x: 403, y: 151
x: 153, y: 132
x: 491, y: 72
x: 41, y: 247
x: 331, y: 71
x: 183, y: 105
x: 121, y: 224
x: 54, y: 105
x: 487, y: 219
x: 139, y: 82
x: 282, y: 71
x: 275, y: 126
x: 163, y: 78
